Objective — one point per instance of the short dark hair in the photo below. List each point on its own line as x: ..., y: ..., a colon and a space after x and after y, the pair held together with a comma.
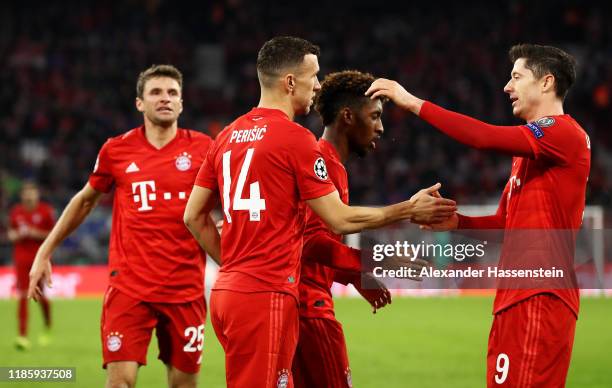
x: 280, y: 53
x: 339, y: 90
x: 542, y: 60
x: 28, y: 184
x: 156, y: 71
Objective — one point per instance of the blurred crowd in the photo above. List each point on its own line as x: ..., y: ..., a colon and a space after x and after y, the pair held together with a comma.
x: 68, y: 74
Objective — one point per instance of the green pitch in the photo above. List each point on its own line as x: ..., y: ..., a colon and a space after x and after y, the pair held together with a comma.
x: 429, y: 342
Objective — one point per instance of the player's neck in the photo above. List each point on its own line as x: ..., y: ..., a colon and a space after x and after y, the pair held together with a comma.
x: 339, y: 141
x: 29, y: 206
x: 271, y: 101
x: 552, y: 108
x: 159, y: 136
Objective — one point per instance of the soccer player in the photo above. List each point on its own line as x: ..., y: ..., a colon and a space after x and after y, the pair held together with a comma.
x: 264, y: 165
x: 29, y: 223
x: 156, y: 269
x: 531, y: 339
x: 352, y: 126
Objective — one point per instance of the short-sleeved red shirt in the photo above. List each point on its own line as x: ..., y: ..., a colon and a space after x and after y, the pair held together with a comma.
x: 152, y: 255
x: 263, y: 165
x: 316, y: 280
x: 42, y: 218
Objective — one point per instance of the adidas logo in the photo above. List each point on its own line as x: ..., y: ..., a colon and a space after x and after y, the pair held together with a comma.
x: 132, y: 168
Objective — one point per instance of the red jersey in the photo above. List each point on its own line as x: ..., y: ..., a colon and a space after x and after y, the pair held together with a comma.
x: 263, y: 166
x: 42, y: 218
x: 152, y: 255
x: 316, y: 279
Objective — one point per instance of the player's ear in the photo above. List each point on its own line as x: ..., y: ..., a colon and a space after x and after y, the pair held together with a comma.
x: 139, y: 104
x: 289, y: 83
x: 347, y: 115
x: 548, y: 83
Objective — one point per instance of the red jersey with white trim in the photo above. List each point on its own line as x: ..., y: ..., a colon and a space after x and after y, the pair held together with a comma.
x: 20, y: 218
x: 263, y: 165
x: 152, y: 255
x: 316, y: 279
x: 547, y: 192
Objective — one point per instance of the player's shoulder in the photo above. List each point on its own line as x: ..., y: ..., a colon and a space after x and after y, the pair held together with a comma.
x: 570, y: 123
x: 195, y: 136
x: 125, y: 138
x: 559, y: 127
x: 45, y: 205
x: 46, y: 208
x: 559, y: 122
x: 294, y: 133
x: 15, y: 209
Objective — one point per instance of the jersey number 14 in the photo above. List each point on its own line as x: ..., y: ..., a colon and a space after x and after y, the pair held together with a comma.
x: 254, y: 204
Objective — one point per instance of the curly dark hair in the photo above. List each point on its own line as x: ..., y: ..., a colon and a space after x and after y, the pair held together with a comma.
x: 542, y: 60
x: 339, y: 90
x: 280, y: 53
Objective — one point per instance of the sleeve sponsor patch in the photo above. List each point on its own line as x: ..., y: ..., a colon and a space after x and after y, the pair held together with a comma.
x: 535, y: 129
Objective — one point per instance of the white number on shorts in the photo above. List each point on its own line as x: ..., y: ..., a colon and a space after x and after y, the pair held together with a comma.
x: 254, y: 204
x: 197, y: 336
x: 502, y: 366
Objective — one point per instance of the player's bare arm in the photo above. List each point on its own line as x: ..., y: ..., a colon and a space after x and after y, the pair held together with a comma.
x: 199, y: 222
x: 422, y: 208
x: 73, y: 215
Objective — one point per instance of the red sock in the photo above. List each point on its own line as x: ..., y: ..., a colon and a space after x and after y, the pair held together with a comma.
x: 46, y: 309
x: 22, y: 313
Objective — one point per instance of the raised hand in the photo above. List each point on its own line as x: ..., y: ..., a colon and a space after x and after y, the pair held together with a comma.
x: 395, y: 92
x: 430, y: 208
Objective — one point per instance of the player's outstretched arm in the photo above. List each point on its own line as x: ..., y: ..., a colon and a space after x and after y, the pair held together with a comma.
x: 464, y: 129
x: 422, y: 208
x: 199, y: 222
x: 321, y: 248
x: 73, y: 215
x: 460, y: 221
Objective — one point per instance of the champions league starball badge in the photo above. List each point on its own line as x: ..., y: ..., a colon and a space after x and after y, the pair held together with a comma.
x: 183, y: 162
x: 320, y: 169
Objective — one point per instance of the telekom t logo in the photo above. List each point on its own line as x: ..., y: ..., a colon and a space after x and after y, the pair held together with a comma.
x: 144, y: 193
x: 143, y: 196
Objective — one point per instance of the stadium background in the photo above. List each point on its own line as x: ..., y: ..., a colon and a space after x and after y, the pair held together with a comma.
x: 68, y: 72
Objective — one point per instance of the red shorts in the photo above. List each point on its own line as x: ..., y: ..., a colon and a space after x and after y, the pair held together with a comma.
x: 530, y: 344
x: 320, y: 359
x: 127, y: 325
x: 258, y: 332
